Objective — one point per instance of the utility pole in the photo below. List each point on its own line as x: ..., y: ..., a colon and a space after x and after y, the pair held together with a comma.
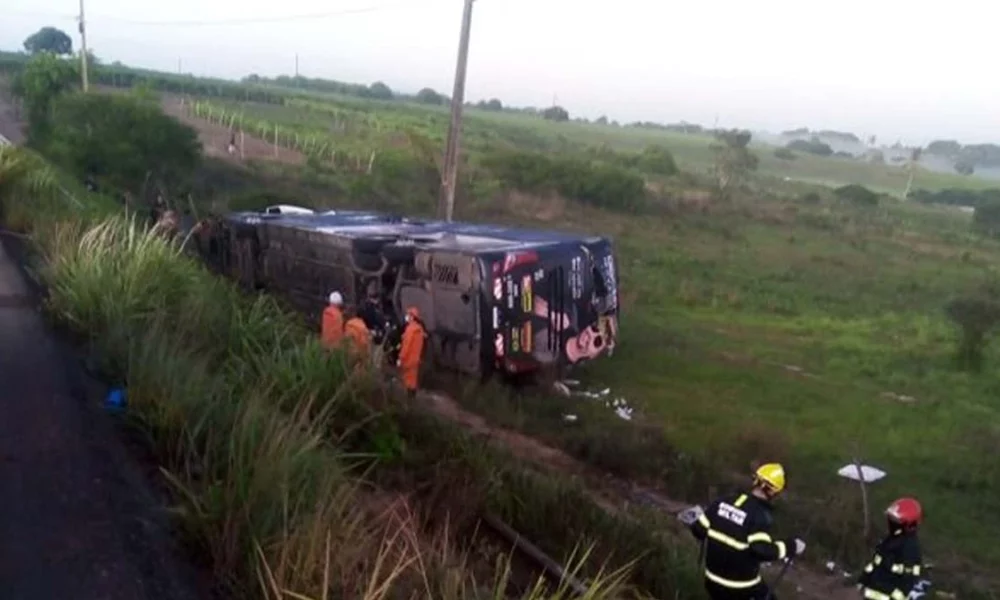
x: 296, y: 69
x: 449, y: 174
x: 83, y: 49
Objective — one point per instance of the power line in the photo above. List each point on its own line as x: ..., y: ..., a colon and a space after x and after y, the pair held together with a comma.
x: 254, y: 20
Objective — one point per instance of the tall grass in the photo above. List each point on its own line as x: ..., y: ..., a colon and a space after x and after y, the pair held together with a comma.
x: 257, y: 429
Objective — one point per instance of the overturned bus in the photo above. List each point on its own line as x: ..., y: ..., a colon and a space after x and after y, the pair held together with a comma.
x: 492, y: 298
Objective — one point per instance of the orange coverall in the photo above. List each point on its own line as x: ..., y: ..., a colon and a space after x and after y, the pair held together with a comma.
x: 357, y: 334
x: 333, y: 327
x: 410, y: 350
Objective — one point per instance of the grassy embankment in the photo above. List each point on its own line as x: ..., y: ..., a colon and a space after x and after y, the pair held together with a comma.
x: 290, y: 476
x: 776, y: 328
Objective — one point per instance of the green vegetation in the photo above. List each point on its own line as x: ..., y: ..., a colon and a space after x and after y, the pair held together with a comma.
x: 254, y: 423
x: 119, y: 142
x: 49, y: 39
x: 793, y: 322
x: 603, y: 185
x: 812, y: 146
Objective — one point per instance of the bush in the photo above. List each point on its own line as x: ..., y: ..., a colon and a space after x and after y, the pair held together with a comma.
x: 977, y: 315
x: 785, y: 154
x: 122, y: 142
x: 813, y: 146
x: 657, y: 160
x: 857, y: 194
x: 602, y: 185
x: 986, y: 219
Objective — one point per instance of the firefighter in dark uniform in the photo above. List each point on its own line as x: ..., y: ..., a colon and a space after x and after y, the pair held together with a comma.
x: 895, y: 567
x: 736, y: 533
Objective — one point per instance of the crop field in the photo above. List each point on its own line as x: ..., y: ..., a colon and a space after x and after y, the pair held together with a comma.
x: 365, y: 126
x: 775, y: 328
x: 781, y: 323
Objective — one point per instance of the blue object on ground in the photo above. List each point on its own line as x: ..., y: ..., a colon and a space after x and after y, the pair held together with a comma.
x: 115, y: 400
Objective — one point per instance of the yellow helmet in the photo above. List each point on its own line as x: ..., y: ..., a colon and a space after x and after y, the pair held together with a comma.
x: 772, y: 475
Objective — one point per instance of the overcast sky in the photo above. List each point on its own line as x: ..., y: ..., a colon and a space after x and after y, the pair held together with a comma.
x: 897, y: 69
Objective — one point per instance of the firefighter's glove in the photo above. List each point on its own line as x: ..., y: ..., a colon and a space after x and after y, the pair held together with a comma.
x: 690, y: 515
x: 800, y: 546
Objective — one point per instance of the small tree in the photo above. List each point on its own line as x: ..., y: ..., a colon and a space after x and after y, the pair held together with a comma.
x: 965, y: 167
x: 43, y: 79
x: 977, y: 316
x: 658, y: 160
x: 784, y: 154
x: 429, y: 96
x: 986, y: 218
x: 556, y: 113
x: 857, y: 194
x: 733, y: 159
x: 380, y: 91
x: 49, y: 39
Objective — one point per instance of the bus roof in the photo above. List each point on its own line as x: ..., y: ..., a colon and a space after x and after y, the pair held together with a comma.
x: 433, y: 233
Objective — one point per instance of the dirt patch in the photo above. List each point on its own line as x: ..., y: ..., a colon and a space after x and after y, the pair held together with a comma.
x: 215, y: 139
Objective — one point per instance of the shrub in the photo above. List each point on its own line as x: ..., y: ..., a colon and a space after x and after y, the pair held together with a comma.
x: 122, y: 142
x: 657, y: 160
x: 857, y: 194
x: 602, y: 185
x: 977, y: 315
x: 785, y: 154
x: 812, y: 146
x: 986, y: 219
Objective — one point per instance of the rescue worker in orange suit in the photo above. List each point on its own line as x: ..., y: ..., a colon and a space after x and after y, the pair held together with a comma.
x: 359, y: 340
x: 736, y: 533
x: 410, y: 351
x: 333, y: 322
x: 895, y: 567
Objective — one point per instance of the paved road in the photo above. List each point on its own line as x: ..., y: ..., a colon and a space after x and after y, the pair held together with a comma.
x: 77, y: 518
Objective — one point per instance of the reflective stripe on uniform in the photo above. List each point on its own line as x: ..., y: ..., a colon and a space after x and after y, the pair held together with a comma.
x: 763, y: 536
x: 725, y: 539
x: 739, y: 501
x: 782, y: 550
x: 736, y: 585
x: 915, y: 570
x: 704, y: 522
x: 898, y: 569
x: 871, y: 594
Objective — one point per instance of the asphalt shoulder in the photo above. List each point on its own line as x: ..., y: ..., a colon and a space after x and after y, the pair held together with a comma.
x: 79, y: 516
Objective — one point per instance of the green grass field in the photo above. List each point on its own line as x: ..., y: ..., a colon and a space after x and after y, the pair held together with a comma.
x: 762, y: 328
x: 775, y: 329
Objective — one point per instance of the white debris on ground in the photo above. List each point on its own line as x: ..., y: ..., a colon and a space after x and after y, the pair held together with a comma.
x: 618, y: 405
x: 903, y: 398
x: 868, y: 473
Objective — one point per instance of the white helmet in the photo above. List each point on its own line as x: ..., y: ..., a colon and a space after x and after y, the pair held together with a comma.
x: 336, y: 299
